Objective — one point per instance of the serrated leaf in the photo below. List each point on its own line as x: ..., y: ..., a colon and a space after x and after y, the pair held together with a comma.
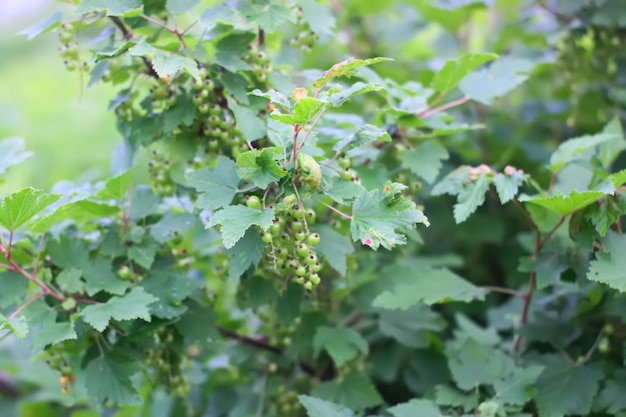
x: 516, y: 387
x: 171, y: 288
x: 320, y: 408
x: 411, y: 327
x: 69, y: 280
x: 425, y: 161
x: 346, y: 68
x: 167, y: 65
x: 39, y: 28
x: 304, y: 110
x: 268, y: 16
x: 365, y: 135
x: 16, y: 325
x: 116, y: 187
x: 108, y: 378
x: 12, y: 153
x: 217, y: 185
x: 354, y: 391
x: 53, y: 333
x: 220, y: 13
x: 431, y: 286
x: 112, y: 52
x: 414, y: 408
x: 610, y: 267
x: 250, y: 124
x: 611, y: 396
x: 608, y: 151
x: 470, y: 198
x: 342, y: 344
x: 80, y: 212
x: 566, y: 389
x: 454, y: 70
x: 574, y: 149
x: 14, y: 287
x: 98, y: 275
x: 319, y: 17
x: 235, y: 220
x: 68, y: 252
x: 340, y: 191
x: 337, y: 98
x: 334, y: 247
x: 181, y: 6
x: 134, y: 305
x: 18, y: 208
x: 144, y: 203
x: 380, y: 216
x: 566, y: 204
x: 508, y: 185
x: 261, y: 167
x: 500, y: 78
x: 143, y: 253
x: 112, y: 7
x: 247, y: 252
x: 279, y: 99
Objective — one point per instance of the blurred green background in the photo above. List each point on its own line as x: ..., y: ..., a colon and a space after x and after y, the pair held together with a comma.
x: 73, y: 136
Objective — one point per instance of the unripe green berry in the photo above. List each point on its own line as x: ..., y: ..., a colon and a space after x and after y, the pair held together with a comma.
x: 302, y: 249
x: 313, y: 239
x: 253, y: 202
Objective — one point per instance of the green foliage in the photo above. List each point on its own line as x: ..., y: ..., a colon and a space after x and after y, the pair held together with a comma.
x: 265, y: 244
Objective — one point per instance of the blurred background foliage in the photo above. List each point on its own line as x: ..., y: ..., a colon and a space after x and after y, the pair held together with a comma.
x: 577, y: 85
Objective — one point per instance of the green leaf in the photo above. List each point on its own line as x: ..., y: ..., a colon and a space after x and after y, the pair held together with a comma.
x: 354, y: 391
x: 566, y: 389
x: 379, y: 217
x: 99, y: 276
x: 425, y: 161
x: 39, y: 28
x: 53, y: 333
x: 134, y: 305
x: 181, y: 6
x: 217, y: 185
x: 171, y: 288
x: 220, y: 13
x: 69, y: 280
x: 340, y: 191
x: 112, y: 52
x: 431, y: 286
x: 12, y: 153
x: 609, y: 151
x: 170, y: 64
x: 304, y: 110
x: 261, y: 167
x: 247, y: 252
x: 108, y: 378
x: 276, y: 97
x: 578, y: 148
x: 610, y: 267
x: 337, y: 98
x: 117, y: 187
x: 365, y: 135
x: 80, y: 212
x: 516, y: 387
x: 18, y: 208
x: 455, y: 70
x: 411, y: 327
x: 268, y: 16
x: 250, y: 124
x: 470, y: 198
x: 68, y: 252
x: 501, y: 77
x: 342, y: 344
x: 508, y: 185
x: 334, y: 247
x: 346, y: 68
x: 319, y: 17
x: 566, y: 204
x: 144, y: 203
x: 112, y: 7
x: 414, y: 408
x: 14, y: 287
x: 611, y: 398
x: 473, y: 364
x: 235, y: 220
x: 320, y: 408
x: 16, y: 325
x: 143, y: 253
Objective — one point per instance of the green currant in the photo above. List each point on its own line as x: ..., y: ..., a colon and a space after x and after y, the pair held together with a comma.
x: 346, y: 174
x: 266, y: 237
x: 253, y: 202
x: 313, y: 239
x: 344, y: 162
x: 302, y: 249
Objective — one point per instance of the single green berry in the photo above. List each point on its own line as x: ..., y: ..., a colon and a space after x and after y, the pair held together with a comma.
x: 313, y: 239
x: 266, y: 237
x: 302, y: 249
x: 253, y: 202
x: 346, y: 174
x: 344, y: 162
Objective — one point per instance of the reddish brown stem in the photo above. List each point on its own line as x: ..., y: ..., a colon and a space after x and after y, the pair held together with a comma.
x: 444, y: 107
x: 26, y: 304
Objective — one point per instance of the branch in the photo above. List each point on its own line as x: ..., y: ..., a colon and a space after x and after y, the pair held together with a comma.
x: 503, y: 290
x: 26, y: 304
x: 128, y: 35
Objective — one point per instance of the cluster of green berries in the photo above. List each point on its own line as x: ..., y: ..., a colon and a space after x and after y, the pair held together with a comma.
x: 281, y: 334
x: 159, y: 168
x: 306, y: 38
x: 69, y: 49
x: 285, y: 403
x: 162, y: 356
x: 346, y: 173
x: 213, y: 121
x: 290, y: 243
x: 57, y: 362
x: 125, y: 272
x: 163, y: 95
x: 259, y: 62
x: 127, y: 109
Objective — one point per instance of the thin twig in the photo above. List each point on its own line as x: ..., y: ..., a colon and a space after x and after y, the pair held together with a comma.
x: 339, y: 212
x: 549, y: 235
x: 446, y: 106
x: 431, y: 105
x: 503, y: 290
x: 128, y: 35
x: 26, y: 304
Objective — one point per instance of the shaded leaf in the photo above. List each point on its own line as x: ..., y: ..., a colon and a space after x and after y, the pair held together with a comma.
x: 217, y: 185
x: 610, y: 267
x: 18, y: 208
x: 134, y: 305
x: 500, y: 78
x: 235, y: 220
x: 346, y: 68
x: 455, y: 70
x: 425, y: 161
x: 342, y: 344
